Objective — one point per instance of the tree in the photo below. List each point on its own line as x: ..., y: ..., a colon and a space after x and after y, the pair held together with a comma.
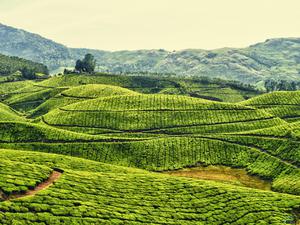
x: 78, y: 66
x: 28, y: 73
x: 87, y: 65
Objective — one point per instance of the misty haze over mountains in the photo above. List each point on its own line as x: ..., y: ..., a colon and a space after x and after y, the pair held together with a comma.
x: 274, y: 58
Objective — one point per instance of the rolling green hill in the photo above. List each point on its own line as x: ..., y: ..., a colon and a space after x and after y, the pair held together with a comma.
x: 31, y: 96
x: 215, y: 89
x: 155, y: 132
x: 283, y: 104
x: 7, y: 114
x: 154, y: 112
x: 91, y: 193
x: 77, y: 94
x: 98, y: 123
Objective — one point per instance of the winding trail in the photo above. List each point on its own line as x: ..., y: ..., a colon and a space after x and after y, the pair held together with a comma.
x: 54, y: 176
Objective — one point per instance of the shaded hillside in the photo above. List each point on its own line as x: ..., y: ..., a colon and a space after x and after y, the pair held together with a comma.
x: 274, y: 58
x: 11, y: 64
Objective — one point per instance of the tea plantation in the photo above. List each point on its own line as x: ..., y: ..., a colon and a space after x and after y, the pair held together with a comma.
x: 111, y: 136
x: 94, y: 193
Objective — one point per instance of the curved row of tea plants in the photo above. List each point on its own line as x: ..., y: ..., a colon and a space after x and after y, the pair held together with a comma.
x: 284, y: 104
x: 95, y: 193
x: 78, y: 94
x: 7, y: 114
x: 150, y: 112
x: 18, y: 177
x: 173, y: 153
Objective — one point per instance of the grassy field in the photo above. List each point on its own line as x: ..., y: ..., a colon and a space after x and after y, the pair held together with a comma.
x: 114, y: 135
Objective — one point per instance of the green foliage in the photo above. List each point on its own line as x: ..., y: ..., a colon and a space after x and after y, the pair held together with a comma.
x: 87, y: 65
x: 96, y: 91
x: 7, y: 114
x: 282, y: 85
x: 18, y: 177
x: 87, y: 117
x: 10, y: 65
x: 77, y: 94
x: 95, y: 193
x: 152, y: 112
x: 213, y: 89
x: 284, y: 104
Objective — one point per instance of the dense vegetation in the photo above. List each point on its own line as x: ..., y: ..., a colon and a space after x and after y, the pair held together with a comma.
x: 283, y: 104
x: 92, y: 193
x: 10, y: 65
x: 87, y: 65
x: 276, y: 59
x: 144, y: 124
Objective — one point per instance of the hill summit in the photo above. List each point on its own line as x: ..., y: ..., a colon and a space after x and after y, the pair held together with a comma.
x: 274, y: 58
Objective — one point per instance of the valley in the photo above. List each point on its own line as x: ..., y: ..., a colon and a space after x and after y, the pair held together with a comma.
x: 149, y: 112
x: 125, y: 145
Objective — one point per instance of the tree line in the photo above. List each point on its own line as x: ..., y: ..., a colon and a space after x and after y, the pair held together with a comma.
x: 18, y: 68
x: 281, y: 85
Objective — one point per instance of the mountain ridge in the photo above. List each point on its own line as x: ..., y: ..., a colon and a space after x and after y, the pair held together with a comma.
x: 276, y: 58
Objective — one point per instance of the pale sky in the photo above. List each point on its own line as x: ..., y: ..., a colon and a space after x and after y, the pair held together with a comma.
x: 154, y: 24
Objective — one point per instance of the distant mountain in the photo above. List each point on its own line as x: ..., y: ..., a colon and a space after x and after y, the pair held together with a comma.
x: 17, y: 42
x: 274, y: 58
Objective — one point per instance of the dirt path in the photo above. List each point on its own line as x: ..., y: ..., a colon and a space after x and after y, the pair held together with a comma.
x: 54, y: 176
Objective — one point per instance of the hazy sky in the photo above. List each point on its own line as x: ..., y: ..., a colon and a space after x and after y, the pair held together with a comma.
x: 147, y: 24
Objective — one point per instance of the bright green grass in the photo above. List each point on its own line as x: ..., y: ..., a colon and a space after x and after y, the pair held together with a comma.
x: 168, y: 154
x: 96, y: 193
x: 152, y: 112
x: 77, y: 94
x: 96, y: 91
x: 283, y: 104
x: 7, y: 114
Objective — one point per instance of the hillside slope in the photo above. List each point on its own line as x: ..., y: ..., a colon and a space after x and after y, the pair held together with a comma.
x: 283, y: 104
x: 7, y: 114
x: 10, y: 65
x: 38, y: 97
x: 157, y: 132
x: 95, y: 193
x: 274, y: 58
x: 17, y: 42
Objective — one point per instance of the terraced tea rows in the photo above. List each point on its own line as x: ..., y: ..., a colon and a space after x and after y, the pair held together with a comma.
x: 18, y: 177
x: 7, y: 114
x: 93, y: 193
x: 283, y: 104
x: 152, y: 112
x: 78, y: 94
x: 161, y: 153
x: 144, y: 84
x: 79, y: 117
